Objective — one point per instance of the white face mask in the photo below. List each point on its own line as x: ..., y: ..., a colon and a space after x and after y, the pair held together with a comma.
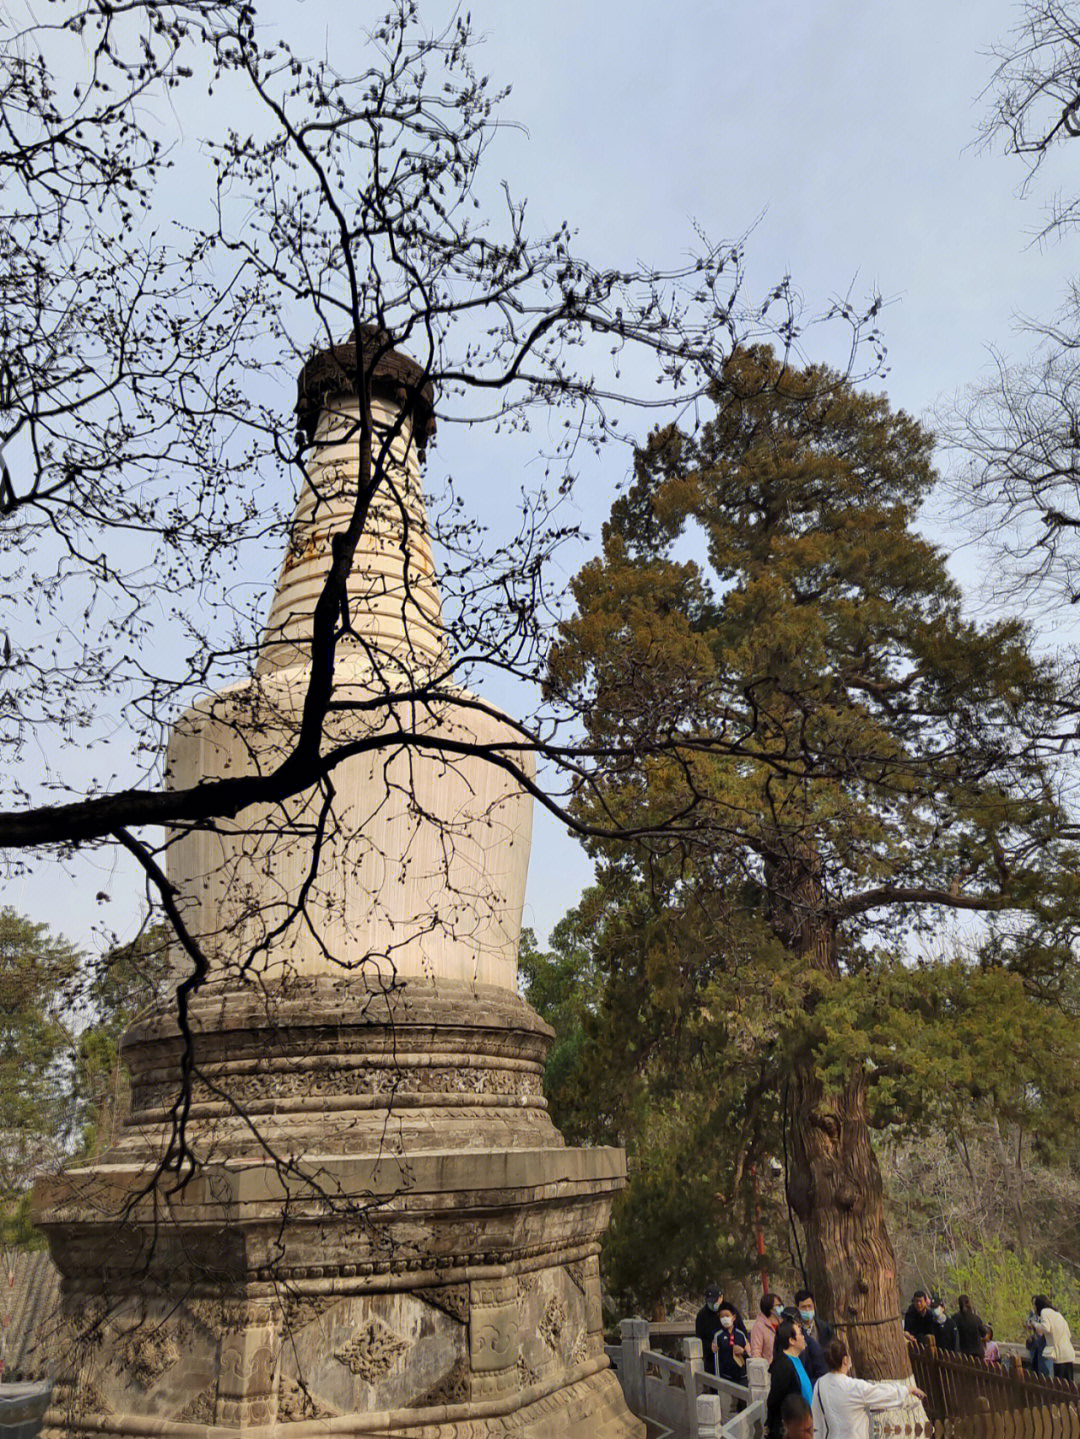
x: 727, y: 1321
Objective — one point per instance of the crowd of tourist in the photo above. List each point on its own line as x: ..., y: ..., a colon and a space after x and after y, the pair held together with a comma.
x: 1050, y: 1346
x: 811, y: 1389
x: 812, y: 1392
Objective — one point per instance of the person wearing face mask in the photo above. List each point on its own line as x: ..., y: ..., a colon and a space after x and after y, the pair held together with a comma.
x: 706, y: 1325
x: 816, y: 1332
x: 841, y: 1405
x: 730, y: 1346
x: 945, y: 1329
x: 763, y: 1333
x: 813, y: 1326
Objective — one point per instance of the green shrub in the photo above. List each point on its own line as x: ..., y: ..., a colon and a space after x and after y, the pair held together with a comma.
x: 1001, y: 1282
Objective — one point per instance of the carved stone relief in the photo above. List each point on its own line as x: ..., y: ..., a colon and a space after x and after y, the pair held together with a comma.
x: 247, y: 1361
x: 300, y: 1310
x: 452, y: 1299
x: 201, y: 1408
x: 381, y: 1351
x: 578, y: 1273
x: 295, y: 1402
x: 372, y: 1352
x: 553, y: 1324
x: 148, y: 1354
x: 453, y: 1388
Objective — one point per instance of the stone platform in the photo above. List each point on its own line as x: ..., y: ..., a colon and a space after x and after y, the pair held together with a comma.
x: 385, y: 1234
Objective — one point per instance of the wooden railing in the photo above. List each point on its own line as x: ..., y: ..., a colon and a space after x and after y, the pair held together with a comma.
x: 965, y: 1398
x: 1015, y: 1401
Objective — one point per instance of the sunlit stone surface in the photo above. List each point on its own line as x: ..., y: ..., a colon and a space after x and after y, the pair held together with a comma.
x: 385, y: 1233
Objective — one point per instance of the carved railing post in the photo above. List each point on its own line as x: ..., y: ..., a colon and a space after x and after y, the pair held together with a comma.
x: 635, y: 1341
x: 693, y: 1366
x: 709, y: 1417
x: 757, y: 1378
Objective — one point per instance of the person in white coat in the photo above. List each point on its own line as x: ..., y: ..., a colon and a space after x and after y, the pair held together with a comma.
x: 1059, y: 1346
x: 842, y: 1405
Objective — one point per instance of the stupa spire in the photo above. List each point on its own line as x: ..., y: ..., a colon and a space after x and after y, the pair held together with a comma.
x: 393, y: 600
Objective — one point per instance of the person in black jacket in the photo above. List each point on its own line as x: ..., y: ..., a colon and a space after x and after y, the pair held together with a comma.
x: 707, y: 1323
x: 815, y: 1331
x: 787, y: 1375
x: 945, y: 1335
x: 811, y: 1322
x: 919, y: 1322
x: 968, y: 1328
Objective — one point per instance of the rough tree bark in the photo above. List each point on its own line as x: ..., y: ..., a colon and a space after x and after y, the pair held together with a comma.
x: 833, y: 1180
x: 835, y: 1189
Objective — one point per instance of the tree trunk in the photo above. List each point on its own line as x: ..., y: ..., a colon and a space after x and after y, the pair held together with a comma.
x: 835, y: 1189
x: 833, y: 1181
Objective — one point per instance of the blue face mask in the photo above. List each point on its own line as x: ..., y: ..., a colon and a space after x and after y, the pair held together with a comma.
x: 806, y: 1315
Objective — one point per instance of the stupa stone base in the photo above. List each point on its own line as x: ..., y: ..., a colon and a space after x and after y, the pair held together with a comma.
x: 385, y: 1234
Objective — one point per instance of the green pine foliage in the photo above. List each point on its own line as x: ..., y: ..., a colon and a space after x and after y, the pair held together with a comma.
x: 830, y: 756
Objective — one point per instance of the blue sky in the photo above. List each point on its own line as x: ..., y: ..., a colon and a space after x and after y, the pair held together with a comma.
x: 843, y: 134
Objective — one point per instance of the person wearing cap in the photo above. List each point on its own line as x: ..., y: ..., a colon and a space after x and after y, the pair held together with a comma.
x: 707, y: 1323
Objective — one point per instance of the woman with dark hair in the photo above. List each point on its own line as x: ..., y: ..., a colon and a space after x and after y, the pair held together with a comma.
x: 968, y: 1328
x: 763, y: 1332
x: 787, y: 1375
x: 841, y: 1405
x: 1046, y: 1320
